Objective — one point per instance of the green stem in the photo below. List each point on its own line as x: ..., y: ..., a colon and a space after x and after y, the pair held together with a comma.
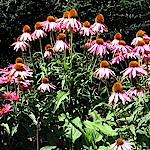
x: 64, y: 55
x: 94, y: 63
x: 37, y: 135
x: 42, y: 56
x: 71, y: 43
x: 90, y: 63
x: 51, y: 39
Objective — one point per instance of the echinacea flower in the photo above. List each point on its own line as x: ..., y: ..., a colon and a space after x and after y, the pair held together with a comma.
x: 20, y: 71
x: 48, y: 51
x: 85, y: 30
x: 5, y: 108
x: 72, y: 23
x: 117, y: 58
x: 46, y: 85
x: 88, y: 43
x: 118, y: 94
x: 117, y: 38
x: 135, y: 92
x: 141, y: 47
x: 122, y: 47
x: 50, y: 24
x: 103, y: 71
x: 120, y: 144
x: 26, y: 36
x: 62, y: 21
x: 61, y: 43
x: 19, y: 44
x: 98, y: 48
x: 98, y: 27
x: 18, y: 60
x: 133, y: 70
x: 11, y: 95
x: 139, y: 37
x: 38, y: 31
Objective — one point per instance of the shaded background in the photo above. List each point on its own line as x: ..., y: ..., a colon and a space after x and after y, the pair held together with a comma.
x: 124, y: 16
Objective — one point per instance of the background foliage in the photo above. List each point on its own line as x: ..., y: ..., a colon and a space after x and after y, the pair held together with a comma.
x: 77, y: 114
x: 125, y: 16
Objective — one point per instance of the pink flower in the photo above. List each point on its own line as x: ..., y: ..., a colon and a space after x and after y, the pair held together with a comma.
x: 5, y: 108
x: 20, y: 45
x: 46, y: 85
x: 130, y: 54
x: 120, y: 144
x: 85, y: 30
x: 136, y: 40
x: 122, y: 47
x: 20, y: 71
x: 11, y: 95
x: 104, y: 71
x: 38, y: 31
x: 139, y: 37
x: 98, y: 27
x: 88, y: 43
x: 118, y: 94
x: 141, y: 47
x: 117, y: 58
x: 72, y: 23
x: 117, y: 38
x: 135, y: 92
x: 63, y: 21
x: 26, y: 36
x: 61, y: 44
x: 48, y: 51
x: 133, y: 70
x: 50, y: 24
x: 98, y: 48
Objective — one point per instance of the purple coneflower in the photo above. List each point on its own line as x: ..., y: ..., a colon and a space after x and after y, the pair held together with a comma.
x: 85, y: 30
x: 26, y: 36
x: 133, y: 70
x: 38, y: 31
x: 11, y: 95
x: 46, y: 85
x: 50, y: 24
x: 61, y: 43
x: 120, y: 144
x: 20, y: 71
x: 103, y: 71
x: 122, y: 47
x: 117, y: 58
x: 139, y: 37
x: 19, y: 44
x: 72, y: 23
x: 98, y: 48
x: 98, y: 27
x: 48, y: 51
x: 117, y: 38
x: 5, y: 108
x: 118, y: 94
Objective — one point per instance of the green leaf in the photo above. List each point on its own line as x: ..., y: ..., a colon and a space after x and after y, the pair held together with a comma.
x: 102, y: 148
x: 48, y: 147
x: 72, y: 131
x: 32, y: 116
x: 106, y: 129
x: 61, y: 96
x: 132, y: 128
x: 92, y: 135
x: 6, y: 127
x: 14, y: 130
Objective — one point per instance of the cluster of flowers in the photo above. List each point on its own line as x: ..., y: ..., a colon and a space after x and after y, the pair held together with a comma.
x: 20, y: 74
